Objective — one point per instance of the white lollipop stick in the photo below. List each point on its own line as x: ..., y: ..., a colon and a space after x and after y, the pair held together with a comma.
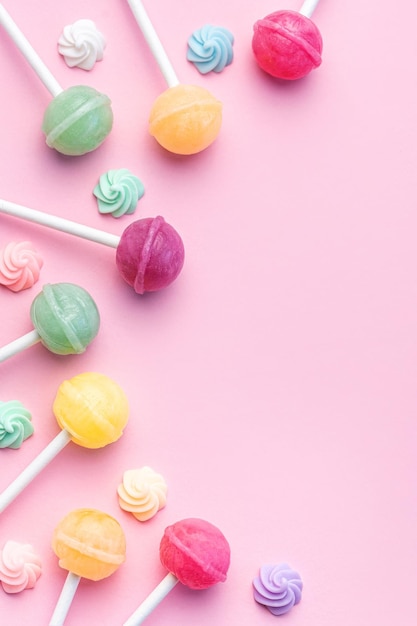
x: 154, y: 42
x: 29, y: 53
x: 18, y: 345
x: 152, y: 601
x: 34, y: 468
x: 65, y: 599
x: 309, y: 7
x: 59, y: 223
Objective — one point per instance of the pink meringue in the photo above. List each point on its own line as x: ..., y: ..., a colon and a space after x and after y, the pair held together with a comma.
x: 20, y: 567
x: 20, y: 265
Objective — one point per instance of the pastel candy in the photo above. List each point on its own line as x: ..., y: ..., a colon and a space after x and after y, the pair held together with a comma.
x: 196, y: 552
x: 77, y: 120
x: 287, y: 45
x: 278, y: 587
x: 150, y: 254
x: 89, y: 543
x: 210, y: 48
x: 65, y: 317
x: 185, y: 119
x: 92, y: 408
x: 20, y: 265
x: 15, y: 424
x: 20, y: 567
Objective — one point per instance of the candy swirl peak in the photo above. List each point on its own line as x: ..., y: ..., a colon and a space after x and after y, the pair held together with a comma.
x: 20, y: 265
x: 210, y: 48
x: 15, y: 424
x: 142, y: 492
x: 81, y: 44
x: 278, y: 587
x: 118, y: 192
x: 20, y: 567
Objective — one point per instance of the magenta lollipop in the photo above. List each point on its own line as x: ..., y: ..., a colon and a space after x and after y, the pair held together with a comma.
x: 149, y: 253
x: 195, y: 553
x: 287, y: 44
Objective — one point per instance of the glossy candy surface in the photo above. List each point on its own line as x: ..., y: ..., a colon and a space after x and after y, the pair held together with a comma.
x: 150, y: 254
x: 89, y: 543
x: 92, y: 408
x: 77, y: 120
x: 196, y: 552
x: 65, y: 317
x: 185, y: 119
x: 287, y: 45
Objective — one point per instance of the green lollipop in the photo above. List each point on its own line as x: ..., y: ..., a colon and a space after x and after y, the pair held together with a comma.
x: 78, y: 119
x: 65, y: 319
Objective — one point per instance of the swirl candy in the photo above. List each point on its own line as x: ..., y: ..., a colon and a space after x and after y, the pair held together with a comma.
x: 195, y: 553
x: 184, y: 119
x: 15, y: 424
x: 149, y: 254
x: 89, y: 544
x: 210, y: 48
x: 142, y: 492
x: 287, y: 44
x: 278, y: 587
x: 66, y: 321
x: 91, y: 409
x: 20, y: 265
x: 118, y: 192
x: 81, y: 44
x: 20, y: 567
x: 78, y: 119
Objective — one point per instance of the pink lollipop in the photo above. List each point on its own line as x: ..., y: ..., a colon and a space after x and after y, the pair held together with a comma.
x: 149, y: 254
x: 195, y: 553
x: 287, y: 44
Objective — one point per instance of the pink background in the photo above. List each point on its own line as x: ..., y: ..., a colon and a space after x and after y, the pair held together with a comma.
x: 274, y: 383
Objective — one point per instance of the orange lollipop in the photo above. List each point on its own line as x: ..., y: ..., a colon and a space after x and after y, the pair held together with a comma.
x: 89, y: 544
x: 185, y: 119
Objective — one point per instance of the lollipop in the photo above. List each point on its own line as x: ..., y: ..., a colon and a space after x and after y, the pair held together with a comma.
x: 92, y: 411
x: 78, y: 119
x: 287, y: 44
x: 195, y: 553
x: 185, y: 119
x: 89, y: 544
x: 66, y: 320
x: 149, y: 254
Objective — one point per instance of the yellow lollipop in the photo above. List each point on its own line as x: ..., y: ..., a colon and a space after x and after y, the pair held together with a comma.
x: 185, y: 119
x: 92, y: 410
x: 89, y: 544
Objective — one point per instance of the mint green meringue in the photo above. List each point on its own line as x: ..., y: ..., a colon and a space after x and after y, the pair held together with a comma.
x: 15, y: 424
x: 118, y: 192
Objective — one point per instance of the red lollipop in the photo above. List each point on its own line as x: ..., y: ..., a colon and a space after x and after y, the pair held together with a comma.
x: 287, y: 44
x: 195, y: 553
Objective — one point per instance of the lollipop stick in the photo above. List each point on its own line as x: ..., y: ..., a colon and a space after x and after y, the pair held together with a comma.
x: 33, y: 469
x: 29, y: 53
x: 152, y: 601
x: 18, y: 345
x: 308, y: 7
x: 154, y: 42
x: 64, y: 601
x: 59, y: 223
